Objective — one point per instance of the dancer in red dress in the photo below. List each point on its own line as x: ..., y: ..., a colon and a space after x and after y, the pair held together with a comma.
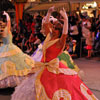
x: 52, y: 79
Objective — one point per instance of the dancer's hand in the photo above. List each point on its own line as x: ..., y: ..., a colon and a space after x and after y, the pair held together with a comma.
x: 65, y: 26
x: 64, y: 14
x: 8, y: 21
x: 5, y: 13
x: 51, y: 9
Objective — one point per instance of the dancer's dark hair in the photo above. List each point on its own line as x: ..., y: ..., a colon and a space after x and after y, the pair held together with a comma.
x: 4, y: 6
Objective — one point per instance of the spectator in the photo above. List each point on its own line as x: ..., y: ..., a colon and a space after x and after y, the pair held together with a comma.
x: 86, y: 26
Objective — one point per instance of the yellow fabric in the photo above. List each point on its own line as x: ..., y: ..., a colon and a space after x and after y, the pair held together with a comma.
x: 62, y: 93
x: 9, y: 68
x: 40, y: 91
x: 10, y: 53
x: 84, y: 90
x: 52, y: 66
x: 74, y: 48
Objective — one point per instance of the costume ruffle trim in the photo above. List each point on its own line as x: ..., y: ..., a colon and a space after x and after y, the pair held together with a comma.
x: 8, y: 68
x: 11, y: 81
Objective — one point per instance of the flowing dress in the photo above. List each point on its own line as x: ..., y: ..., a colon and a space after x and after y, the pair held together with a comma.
x: 52, y: 79
x: 14, y: 64
x: 64, y: 57
x: 37, y: 55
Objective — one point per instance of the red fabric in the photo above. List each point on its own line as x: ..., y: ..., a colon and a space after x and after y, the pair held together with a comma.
x: 88, y: 47
x: 17, y: 18
x: 61, y: 65
x: 51, y: 50
x: 53, y: 82
x: 19, y: 12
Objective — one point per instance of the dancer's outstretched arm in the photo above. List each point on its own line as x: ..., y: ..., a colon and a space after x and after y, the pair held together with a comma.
x: 46, y: 25
x: 8, y: 21
x: 65, y: 26
x: 50, y: 10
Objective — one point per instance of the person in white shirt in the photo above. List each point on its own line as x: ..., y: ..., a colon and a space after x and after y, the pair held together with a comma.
x: 86, y: 26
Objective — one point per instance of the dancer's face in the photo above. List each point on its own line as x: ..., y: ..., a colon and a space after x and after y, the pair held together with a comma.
x: 57, y: 28
x: 46, y: 28
x: 2, y: 27
x: 52, y: 27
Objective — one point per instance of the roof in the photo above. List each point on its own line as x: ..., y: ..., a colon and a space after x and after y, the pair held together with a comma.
x: 45, y: 6
x: 58, y: 5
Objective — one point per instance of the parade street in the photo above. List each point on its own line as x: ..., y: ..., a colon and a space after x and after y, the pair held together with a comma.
x: 91, y: 78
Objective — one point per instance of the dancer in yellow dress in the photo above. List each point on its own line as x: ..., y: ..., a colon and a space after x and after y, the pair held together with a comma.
x: 14, y: 64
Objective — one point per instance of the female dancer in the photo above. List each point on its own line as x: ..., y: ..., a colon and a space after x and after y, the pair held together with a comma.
x: 14, y: 64
x: 64, y: 57
x: 53, y: 80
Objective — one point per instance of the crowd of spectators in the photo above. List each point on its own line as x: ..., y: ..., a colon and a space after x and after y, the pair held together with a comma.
x: 28, y: 34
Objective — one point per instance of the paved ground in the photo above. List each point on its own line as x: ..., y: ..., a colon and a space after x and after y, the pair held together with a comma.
x: 5, y: 93
x: 91, y: 68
